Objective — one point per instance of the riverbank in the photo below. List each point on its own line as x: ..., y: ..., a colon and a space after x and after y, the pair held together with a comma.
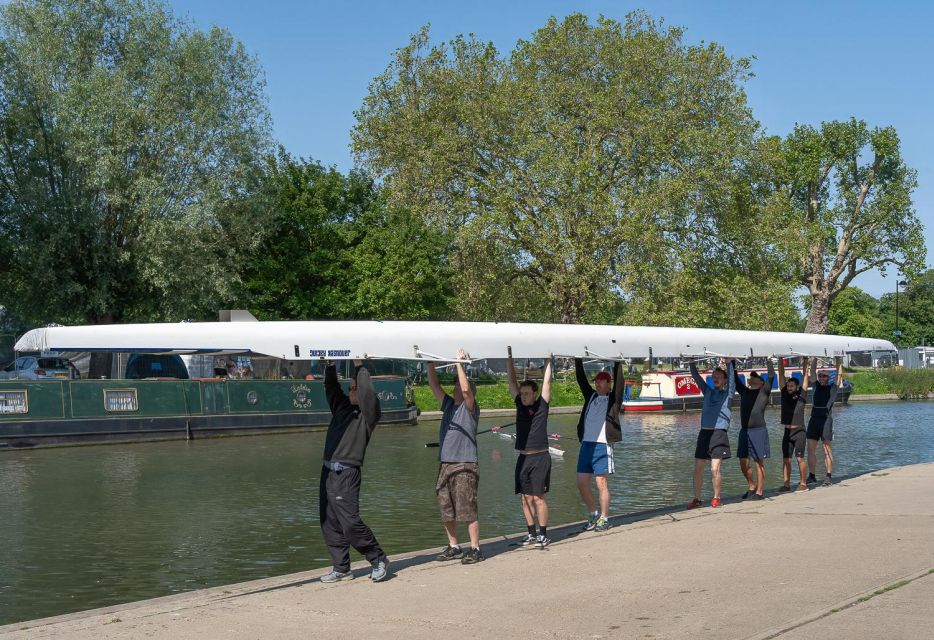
x: 855, y: 560
x: 869, y: 385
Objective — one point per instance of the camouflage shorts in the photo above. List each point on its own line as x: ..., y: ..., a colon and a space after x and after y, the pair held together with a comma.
x: 457, y: 491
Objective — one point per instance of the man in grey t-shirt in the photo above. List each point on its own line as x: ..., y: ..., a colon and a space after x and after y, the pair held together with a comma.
x: 458, y: 474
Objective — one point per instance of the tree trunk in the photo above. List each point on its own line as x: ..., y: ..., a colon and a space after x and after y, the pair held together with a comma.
x: 818, y: 317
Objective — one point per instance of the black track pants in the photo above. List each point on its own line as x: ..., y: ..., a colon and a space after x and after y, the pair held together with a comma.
x: 339, y: 511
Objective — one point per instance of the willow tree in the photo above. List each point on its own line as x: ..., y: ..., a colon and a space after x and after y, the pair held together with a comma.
x: 846, y: 192
x: 569, y: 169
x: 121, y: 130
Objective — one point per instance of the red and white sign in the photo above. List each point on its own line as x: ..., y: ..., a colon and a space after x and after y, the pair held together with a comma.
x: 685, y: 386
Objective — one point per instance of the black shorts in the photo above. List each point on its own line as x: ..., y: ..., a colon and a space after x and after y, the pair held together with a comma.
x: 794, y: 441
x: 533, y: 474
x: 712, y: 443
x: 820, y: 428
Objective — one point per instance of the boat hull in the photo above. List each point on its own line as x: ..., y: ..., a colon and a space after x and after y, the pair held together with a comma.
x: 54, y: 413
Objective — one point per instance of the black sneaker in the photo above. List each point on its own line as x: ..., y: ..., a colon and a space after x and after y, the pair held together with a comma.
x: 542, y: 542
x: 472, y: 556
x: 812, y: 479
x: 746, y: 495
x: 757, y: 496
x: 450, y: 553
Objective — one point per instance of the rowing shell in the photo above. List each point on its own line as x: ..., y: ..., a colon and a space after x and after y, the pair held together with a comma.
x: 337, y: 340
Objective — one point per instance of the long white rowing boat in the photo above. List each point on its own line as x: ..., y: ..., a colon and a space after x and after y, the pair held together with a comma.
x: 336, y: 340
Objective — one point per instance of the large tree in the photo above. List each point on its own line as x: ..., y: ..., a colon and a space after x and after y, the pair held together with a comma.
x: 122, y: 128
x: 573, y: 170
x: 845, y: 191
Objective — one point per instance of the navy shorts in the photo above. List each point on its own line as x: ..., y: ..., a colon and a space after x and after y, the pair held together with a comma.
x: 742, y: 445
x: 759, y: 448
x: 712, y: 443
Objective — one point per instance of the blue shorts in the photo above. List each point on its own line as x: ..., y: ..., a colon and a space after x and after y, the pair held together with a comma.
x: 596, y: 458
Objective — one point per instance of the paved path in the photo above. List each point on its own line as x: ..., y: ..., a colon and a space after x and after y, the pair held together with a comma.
x: 850, y: 561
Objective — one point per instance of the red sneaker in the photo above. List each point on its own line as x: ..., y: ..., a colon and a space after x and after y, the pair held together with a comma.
x: 693, y: 504
x: 715, y: 502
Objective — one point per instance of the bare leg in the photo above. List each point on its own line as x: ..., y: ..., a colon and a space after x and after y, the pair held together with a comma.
x: 828, y: 457
x: 802, y: 473
x: 698, y: 477
x: 747, y: 473
x: 812, y: 455
x: 786, y: 471
x: 450, y: 528
x: 715, y: 476
x: 583, y: 486
x: 760, y: 474
x: 527, y: 509
x: 541, y: 509
x: 473, y: 530
x: 603, y: 488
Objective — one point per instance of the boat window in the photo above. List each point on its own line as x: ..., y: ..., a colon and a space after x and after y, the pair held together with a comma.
x: 14, y: 402
x: 120, y: 400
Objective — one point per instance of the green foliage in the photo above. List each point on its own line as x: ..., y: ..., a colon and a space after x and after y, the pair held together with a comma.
x: 856, y: 313
x: 573, y: 171
x: 123, y: 128
x: 915, y: 311
x: 564, y: 393
x: 846, y: 191
x: 330, y: 247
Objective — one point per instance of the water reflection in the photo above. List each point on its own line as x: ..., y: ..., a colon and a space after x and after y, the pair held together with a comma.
x: 114, y: 524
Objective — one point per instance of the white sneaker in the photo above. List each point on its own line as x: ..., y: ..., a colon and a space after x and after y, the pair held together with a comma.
x: 337, y: 576
x: 527, y: 540
x: 542, y: 542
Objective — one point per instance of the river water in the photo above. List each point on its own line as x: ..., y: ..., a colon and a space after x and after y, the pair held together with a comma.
x: 87, y: 527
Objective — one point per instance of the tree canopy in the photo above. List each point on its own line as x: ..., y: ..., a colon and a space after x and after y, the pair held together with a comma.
x: 122, y: 130
x: 575, y: 169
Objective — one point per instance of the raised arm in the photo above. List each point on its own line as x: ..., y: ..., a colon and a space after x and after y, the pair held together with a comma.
x: 805, y: 373
x: 337, y: 399
x: 582, y: 380
x: 738, y: 384
x: 511, y: 376
x: 367, y: 399
x: 618, y: 383
x: 781, y: 371
x: 701, y: 383
x: 434, y: 384
x: 839, y: 360
x: 464, y: 383
x: 768, y: 383
x: 546, y: 381
x: 813, y: 370
x: 731, y: 377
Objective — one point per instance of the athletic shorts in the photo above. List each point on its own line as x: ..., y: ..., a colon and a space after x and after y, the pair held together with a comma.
x: 533, y: 474
x: 820, y: 428
x: 457, y: 491
x: 794, y: 441
x: 712, y: 443
x: 596, y: 458
x: 742, y: 445
x: 759, y: 447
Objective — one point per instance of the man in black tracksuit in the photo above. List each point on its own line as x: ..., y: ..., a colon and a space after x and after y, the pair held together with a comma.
x: 353, y: 419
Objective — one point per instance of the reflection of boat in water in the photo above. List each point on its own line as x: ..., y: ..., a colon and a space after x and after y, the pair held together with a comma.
x: 677, y: 390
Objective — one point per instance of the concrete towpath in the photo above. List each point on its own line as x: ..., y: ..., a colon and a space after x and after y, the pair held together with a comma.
x: 855, y: 560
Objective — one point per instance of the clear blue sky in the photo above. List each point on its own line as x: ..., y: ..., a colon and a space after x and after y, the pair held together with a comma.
x: 815, y: 61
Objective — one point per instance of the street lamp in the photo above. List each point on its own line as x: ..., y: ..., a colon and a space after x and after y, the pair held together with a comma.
x: 898, y: 283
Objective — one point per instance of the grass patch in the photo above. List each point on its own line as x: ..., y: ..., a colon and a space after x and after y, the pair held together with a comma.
x: 907, y: 384
x: 564, y: 393
x: 879, y: 475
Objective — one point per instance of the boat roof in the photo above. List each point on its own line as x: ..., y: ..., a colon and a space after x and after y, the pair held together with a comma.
x: 405, y: 340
